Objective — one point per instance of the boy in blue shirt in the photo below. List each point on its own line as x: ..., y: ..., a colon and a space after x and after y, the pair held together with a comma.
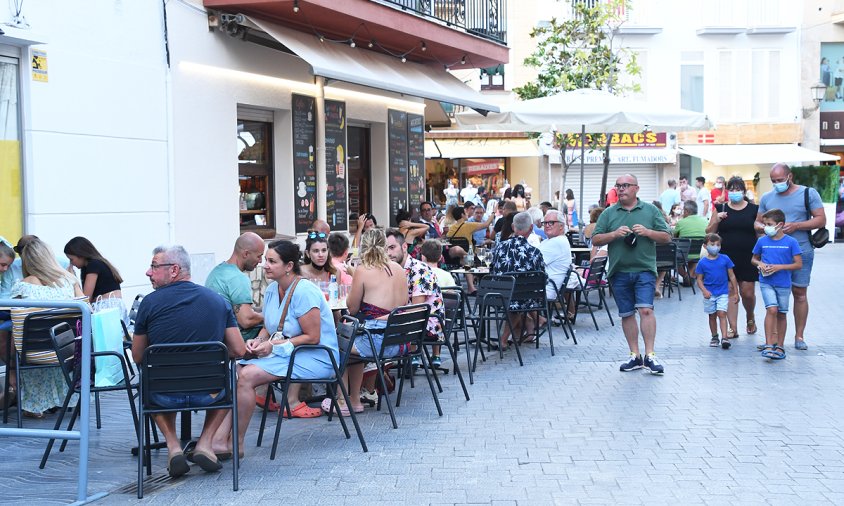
x: 716, y: 281
x: 774, y: 255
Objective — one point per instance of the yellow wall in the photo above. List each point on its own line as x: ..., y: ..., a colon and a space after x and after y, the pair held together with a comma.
x: 11, y: 203
x: 526, y: 169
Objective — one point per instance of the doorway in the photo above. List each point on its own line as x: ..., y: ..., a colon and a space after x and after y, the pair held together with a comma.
x: 360, y: 176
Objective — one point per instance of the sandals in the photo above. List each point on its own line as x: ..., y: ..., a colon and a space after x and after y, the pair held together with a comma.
x: 178, y: 465
x: 302, y: 410
x: 751, y: 326
x: 773, y: 352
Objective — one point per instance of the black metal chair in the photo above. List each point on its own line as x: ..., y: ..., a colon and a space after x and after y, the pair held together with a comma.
x: 684, y: 245
x: 447, y: 323
x: 696, y: 243
x: 595, y: 282
x: 346, y: 331
x: 406, y: 328
x: 666, y: 262
x: 456, y: 307
x: 184, y: 368
x: 529, y: 289
x: 492, y: 304
x: 64, y: 340
x: 560, y: 305
x: 35, y: 347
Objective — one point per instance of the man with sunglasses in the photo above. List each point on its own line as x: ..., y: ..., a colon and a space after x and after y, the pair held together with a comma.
x: 426, y: 216
x: 632, y: 229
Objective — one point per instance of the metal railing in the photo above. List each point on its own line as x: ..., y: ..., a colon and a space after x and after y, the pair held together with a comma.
x: 80, y: 435
x: 484, y: 18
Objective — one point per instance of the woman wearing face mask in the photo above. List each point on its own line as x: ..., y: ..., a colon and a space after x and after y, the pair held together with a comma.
x: 675, y: 214
x: 734, y: 222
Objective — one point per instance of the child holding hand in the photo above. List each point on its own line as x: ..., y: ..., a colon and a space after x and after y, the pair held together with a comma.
x: 716, y: 281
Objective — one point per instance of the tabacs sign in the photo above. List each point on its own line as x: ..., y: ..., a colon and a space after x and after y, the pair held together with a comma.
x: 634, y: 140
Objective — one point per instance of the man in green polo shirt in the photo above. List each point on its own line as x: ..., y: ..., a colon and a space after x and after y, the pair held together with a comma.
x: 632, y: 229
x: 229, y: 279
x: 693, y: 226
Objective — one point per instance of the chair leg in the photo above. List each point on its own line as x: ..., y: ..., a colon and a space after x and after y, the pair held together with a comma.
x: 515, y: 341
x: 606, y: 305
x: 235, y: 432
x: 73, y: 416
x: 453, y: 354
x: 56, y: 427
x: 335, y: 407
x: 146, y: 448
x: 589, y: 307
x: 97, y: 409
x: 406, y: 370
x: 284, y: 387
x: 141, y: 454
x: 379, y: 369
x: 548, y: 329
x: 468, y: 354
x: 267, y: 398
x: 19, y: 395
x: 352, y: 414
x: 434, y: 372
x: 426, y: 363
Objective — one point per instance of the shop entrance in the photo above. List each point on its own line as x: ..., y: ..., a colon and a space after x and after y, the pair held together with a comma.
x: 360, y: 174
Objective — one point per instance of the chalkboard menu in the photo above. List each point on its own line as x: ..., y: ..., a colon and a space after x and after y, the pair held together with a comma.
x: 397, y: 140
x: 415, y: 160
x: 335, y: 165
x: 304, y: 162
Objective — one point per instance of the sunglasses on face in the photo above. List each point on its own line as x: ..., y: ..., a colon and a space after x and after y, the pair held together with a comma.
x: 317, y: 235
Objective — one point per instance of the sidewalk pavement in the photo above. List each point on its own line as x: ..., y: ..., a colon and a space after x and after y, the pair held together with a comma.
x: 722, y: 426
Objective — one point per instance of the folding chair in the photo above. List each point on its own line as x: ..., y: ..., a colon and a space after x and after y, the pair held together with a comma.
x: 184, y: 368
x: 492, y: 304
x: 594, y: 283
x: 666, y: 262
x: 454, y: 301
x: 346, y: 331
x: 529, y: 288
x: 560, y: 305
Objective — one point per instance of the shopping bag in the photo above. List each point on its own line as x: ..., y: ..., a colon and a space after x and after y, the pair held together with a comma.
x: 101, y: 304
x: 108, y: 336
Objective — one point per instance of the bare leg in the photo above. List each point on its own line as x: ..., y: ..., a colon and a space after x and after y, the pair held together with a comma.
x: 801, y: 310
x: 470, y: 282
x: 647, y: 321
x: 722, y: 319
x: 771, y: 337
x: 166, y: 423
x: 782, y: 323
x: 748, y: 299
x: 713, y: 324
x: 658, y: 286
x: 249, y: 377
x: 355, y: 375
x: 732, y: 316
x: 631, y: 332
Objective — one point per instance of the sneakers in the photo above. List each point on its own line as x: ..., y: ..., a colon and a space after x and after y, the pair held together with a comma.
x: 714, y: 342
x: 633, y: 363
x: 725, y: 344
x: 416, y: 361
x: 652, y: 364
x: 436, y: 361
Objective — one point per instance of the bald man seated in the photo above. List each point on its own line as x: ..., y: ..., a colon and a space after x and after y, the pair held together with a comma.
x: 230, y: 280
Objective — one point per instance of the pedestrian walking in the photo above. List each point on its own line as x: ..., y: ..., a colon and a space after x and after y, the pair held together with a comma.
x: 718, y: 285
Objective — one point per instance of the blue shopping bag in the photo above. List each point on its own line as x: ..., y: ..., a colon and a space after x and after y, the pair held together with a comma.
x: 108, y: 336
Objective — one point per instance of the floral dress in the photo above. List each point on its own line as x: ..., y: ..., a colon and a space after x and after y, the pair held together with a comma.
x: 42, y: 389
x: 516, y: 255
x: 421, y: 280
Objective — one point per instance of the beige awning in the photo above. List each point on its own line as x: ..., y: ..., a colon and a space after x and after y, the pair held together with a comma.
x: 752, y: 154
x: 481, y: 148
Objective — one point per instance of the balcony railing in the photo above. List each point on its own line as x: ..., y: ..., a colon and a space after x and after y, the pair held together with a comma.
x: 484, y: 18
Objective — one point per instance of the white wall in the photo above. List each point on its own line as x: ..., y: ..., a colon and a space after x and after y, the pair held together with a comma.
x: 95, y: 135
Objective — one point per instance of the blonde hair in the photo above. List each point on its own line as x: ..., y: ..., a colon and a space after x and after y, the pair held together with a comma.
x: 373, y: 249
x: 38, y: 259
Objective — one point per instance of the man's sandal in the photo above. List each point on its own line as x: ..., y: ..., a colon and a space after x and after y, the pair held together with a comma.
x: 751, y: 327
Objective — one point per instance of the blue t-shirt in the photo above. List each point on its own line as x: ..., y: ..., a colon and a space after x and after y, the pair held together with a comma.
x: 777, y: 252
x: 794, y: 207
x: 714, y: 270
x: 184, y: 312
x: 479, y: 236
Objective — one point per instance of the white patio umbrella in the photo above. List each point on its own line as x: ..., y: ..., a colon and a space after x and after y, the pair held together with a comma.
x: 583, y: 111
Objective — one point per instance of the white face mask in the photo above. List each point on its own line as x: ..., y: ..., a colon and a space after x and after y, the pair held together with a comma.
x: 718, y: 186
x: 771, y: 230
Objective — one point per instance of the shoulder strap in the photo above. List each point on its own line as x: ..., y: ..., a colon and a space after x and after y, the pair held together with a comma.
x: 287, y: 304
x: 806, y: 202
x: 458, y: 230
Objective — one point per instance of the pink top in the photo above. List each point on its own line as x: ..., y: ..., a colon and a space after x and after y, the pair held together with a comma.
x: 342, y: 276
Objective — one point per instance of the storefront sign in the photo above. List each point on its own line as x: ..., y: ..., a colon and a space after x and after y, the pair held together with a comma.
x: 335, y: 165
x: 635, y: 140
x: 484, y: 166
x: 304, y: 162
x: 39, y: 66
x: 416, y: 160
x: 397, y: 140
x: 639, y: 156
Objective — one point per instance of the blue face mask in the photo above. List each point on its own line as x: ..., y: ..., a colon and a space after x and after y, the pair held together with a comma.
x: 781, y: 187
x: 713, y: 250
x: 736, y: 196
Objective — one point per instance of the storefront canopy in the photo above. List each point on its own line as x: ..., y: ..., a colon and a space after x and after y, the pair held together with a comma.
x: 751, y: 154
x: 375, y: 70
x: 481, y: 148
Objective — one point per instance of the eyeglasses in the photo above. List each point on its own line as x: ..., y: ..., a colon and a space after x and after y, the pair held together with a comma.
x: 426, y: 209
x: 549, y: 223
x: 315, y: 235
x: 624, y: 186
x: 156, y: 266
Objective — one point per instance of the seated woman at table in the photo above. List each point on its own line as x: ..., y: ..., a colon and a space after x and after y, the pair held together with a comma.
x: 99, y: 277
x: 378, y: 286
x: 295, y: 314
x: 365, y: 222
x: 318, y: 264
x: 43, y: 279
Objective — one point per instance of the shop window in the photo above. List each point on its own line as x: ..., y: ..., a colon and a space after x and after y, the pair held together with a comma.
x: 691, y: 87
x: 492, y: 78
x: 255, y: 173
x: 11, y: 201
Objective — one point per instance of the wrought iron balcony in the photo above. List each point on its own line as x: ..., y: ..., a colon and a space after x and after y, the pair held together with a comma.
x: 484, y: 18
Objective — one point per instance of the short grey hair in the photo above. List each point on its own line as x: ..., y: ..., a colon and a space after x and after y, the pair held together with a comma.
x: 535, y: 214
x: 522, y: 222
x: 690, y: 206
x: 175, y: 254
x: 555, y: 214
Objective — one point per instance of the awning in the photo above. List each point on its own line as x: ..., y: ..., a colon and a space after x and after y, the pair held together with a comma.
x: 751, y: 154
x: 481, y: 148
x: 375, y: 70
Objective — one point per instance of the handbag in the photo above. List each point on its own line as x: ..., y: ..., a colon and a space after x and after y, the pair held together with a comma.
x: 820, y: 237
x: 108, y: 336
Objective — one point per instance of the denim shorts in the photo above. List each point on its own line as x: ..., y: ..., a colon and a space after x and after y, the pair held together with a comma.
x: 775, y: 296
x: 177, y: 401
x: 716, y: 303
x: 376, y: 328
x: 632, y: 290
x: 802, y: 277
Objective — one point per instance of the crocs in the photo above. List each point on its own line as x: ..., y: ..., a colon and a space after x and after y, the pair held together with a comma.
x: 302, y: 410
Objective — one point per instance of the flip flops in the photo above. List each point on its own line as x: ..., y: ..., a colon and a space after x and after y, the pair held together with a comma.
x: 751, y: 327
x: 205, y: 462
x: 178, y: 465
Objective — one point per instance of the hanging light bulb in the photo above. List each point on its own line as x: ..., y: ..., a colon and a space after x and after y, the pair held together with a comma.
x: 352, y: 43
x: 321, y: 38
x: 424, y: 46
x: 371, y: 43
x: 403, y: 59
x: 295, y: 5
x: 463, y: 60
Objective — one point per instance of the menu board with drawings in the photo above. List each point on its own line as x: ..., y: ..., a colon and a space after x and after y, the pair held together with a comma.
x: 415, y: 160
x: 397, y: 145
x: 335, y: 165
x: 304, y: 162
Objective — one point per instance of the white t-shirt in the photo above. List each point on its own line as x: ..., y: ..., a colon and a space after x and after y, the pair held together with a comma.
x: 556, y: 252
x: 704, y: 202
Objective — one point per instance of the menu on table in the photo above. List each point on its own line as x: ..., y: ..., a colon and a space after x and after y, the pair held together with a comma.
x: 415, y: 160
x: 335, y: 165
x: 397, y: 144
x: 304, y: 162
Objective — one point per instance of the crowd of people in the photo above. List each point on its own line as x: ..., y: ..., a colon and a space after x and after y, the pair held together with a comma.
x: 383, y: 269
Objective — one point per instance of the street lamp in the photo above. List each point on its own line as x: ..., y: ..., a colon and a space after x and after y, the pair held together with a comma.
x: 818, y: 91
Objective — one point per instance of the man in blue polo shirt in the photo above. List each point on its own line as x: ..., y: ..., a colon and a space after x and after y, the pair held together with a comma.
x: 180, y: 311
x: 631, y: 229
